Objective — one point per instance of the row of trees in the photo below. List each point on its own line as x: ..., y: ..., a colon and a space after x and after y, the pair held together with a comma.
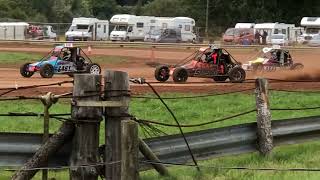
x: 222, y: 13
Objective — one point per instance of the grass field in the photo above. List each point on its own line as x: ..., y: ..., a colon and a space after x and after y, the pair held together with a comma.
x: 18, y: 58
x: 191, y: 111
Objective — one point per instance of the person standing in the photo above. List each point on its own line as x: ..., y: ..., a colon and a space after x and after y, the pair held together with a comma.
x: 264, y: 37
x: 257, y: 36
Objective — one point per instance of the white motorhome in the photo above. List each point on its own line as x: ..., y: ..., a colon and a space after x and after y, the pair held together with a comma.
x: 244, y: 25
x: 312, y: 28
x: 131, y: 27
x: 88, y: 29
x: 13, y: 30
x: 184, y: 26
x: 289, y: 30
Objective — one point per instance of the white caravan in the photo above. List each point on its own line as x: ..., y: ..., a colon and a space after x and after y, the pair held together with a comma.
x: 88, y: 29
x: 13, y: 30
x: 244, y: 25
x: 289, y: 30
x: 185, y: 25
x: 312, y: 28
x: 131, y: 27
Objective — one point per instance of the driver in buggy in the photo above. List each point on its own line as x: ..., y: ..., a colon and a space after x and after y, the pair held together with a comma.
x: 212, y: 56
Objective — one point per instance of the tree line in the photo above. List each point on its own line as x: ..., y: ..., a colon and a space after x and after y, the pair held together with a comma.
x: 222, y: 13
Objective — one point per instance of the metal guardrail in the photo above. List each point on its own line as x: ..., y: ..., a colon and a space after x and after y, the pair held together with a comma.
x: 16, y: 148
x: 111, y: 44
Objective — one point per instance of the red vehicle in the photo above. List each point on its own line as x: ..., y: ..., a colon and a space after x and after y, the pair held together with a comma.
x: 239, y: 36
x: 208, y: 62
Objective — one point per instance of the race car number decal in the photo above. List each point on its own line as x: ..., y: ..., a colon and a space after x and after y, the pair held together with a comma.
x: 205, y: 72
x: 64, y: 68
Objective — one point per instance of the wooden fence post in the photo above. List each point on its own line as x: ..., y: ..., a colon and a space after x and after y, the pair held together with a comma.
x: 130, y: 150
x: 116, y: 89
x: 149, y: 155
x: 265, y: 139
x: 47, y: 101
x: 86, y: 139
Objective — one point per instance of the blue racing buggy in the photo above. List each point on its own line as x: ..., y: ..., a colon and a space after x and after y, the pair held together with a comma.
x: 63, y: 59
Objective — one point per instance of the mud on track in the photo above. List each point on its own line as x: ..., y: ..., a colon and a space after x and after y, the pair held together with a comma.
x: 137, y: 67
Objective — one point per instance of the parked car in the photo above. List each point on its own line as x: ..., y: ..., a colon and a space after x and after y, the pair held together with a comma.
x: 279, y: 39
x: 315, y: 41
x: 239, y: 36
x: 164, y: 36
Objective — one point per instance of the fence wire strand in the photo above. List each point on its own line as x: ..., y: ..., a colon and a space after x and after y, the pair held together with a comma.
x: 235, y: 168
x: 196, y: 125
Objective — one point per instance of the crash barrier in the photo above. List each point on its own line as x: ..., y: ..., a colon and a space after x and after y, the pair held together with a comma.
x: 110, y: 44
x: 169, y: 150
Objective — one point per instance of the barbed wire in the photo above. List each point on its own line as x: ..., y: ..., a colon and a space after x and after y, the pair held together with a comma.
x: 5, y: 168
x: 195, y: 125
x: 196, y: 96
x: 288, y: 80
x: 294, y: 91
x: 234, y: 168
x: 175, y: 119
x: 9, y: 90
x: 295, y: 109
x: 32, y: 114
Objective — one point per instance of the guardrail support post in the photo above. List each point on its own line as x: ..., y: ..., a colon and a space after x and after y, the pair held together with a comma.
x: 116, y: 89
x: 86, y: 138
x: 265, y: 138
x: 130, y: 150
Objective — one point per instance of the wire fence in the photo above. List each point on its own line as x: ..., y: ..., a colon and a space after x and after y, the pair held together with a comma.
x: 147, y: 125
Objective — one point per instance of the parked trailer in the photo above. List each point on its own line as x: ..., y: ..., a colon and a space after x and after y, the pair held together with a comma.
x: 289, y: 30
x: 133, y: 28
x: 312, y: 28
x: 130, y: 27
x: 88, y: 29
x: 23, y: 31
x: 13, y: 30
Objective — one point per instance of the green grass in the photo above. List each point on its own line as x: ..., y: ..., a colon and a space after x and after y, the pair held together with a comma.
x: 294, y: 156
x: 191, y: 111
x: 18, y: 58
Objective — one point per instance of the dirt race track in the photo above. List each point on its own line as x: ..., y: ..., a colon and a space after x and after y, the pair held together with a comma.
x: 137, y: 66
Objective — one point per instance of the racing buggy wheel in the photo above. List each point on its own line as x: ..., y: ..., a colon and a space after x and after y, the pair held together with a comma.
x: 162, y: 73
x: 237, y: 75
x: 180, y: 75
x: 46, y: 71
x: 94, y: 68
x: 297, y: 66
x: 24, y: 70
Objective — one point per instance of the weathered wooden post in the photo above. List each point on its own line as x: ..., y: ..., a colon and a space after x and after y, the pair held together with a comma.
x: 130, y: 150
x: 265, y: 139
x: 87, y: 118
x: 47, y: 101
x: 149, y: 155
x: 40, y: 158
x: 116, y: 89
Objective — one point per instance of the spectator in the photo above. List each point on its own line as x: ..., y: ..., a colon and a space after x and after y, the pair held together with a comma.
x: 264, y: 37
x: 257, y: 36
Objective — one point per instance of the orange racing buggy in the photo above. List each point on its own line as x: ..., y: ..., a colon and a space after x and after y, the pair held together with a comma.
x: 207, y: 62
